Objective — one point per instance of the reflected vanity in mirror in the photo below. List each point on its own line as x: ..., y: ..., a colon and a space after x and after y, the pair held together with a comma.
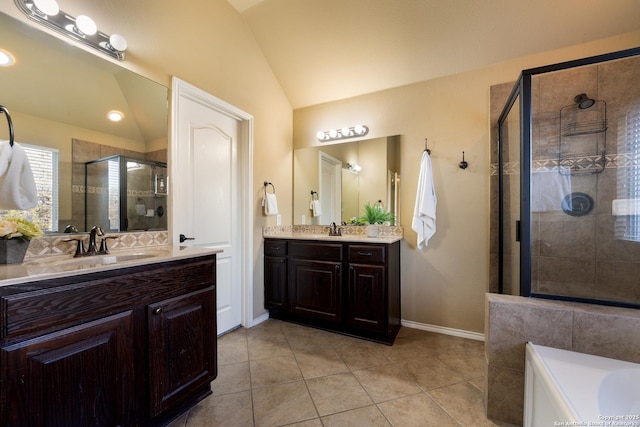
x: 59, y: 96
x: 343, y: 178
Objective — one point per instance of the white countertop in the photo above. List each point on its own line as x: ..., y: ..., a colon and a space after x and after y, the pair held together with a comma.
x: 361, y: 238
x: 51, y: 267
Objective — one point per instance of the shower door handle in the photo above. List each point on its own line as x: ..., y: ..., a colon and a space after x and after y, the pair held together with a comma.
x: 183, y: 238
x: 518, y: 230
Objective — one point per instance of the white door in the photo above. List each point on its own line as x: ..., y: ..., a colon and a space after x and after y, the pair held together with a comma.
x: 330, y: 189
x: 205, y: 193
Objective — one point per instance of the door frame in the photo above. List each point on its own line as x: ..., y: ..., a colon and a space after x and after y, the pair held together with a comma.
x: 180, y: 88
x: 336, y: 191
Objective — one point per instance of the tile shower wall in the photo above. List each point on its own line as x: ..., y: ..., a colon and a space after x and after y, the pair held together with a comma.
x: 576, y: 256
x: 512, y: 321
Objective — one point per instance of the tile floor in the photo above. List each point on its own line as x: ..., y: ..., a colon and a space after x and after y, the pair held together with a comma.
x: 283, y: 374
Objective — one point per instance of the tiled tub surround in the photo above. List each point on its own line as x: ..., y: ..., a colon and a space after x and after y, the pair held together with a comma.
x: 55, y: 244
x: 511, y: 321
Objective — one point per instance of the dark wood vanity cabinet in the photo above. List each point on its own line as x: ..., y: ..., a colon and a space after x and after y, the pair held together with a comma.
x: 347, y: 287
x: 128, y: 347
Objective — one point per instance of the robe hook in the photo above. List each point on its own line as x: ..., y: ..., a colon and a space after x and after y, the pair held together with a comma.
x: 463, y: 164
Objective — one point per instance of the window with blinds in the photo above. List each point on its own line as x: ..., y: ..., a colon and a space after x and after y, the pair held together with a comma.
x: 44, y: 164
x: 626, y: 207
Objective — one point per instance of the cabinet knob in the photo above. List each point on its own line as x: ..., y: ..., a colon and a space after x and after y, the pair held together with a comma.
x: 157, y: 310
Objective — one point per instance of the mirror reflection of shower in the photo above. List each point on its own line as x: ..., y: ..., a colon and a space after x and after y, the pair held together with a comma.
x: 126, y: 194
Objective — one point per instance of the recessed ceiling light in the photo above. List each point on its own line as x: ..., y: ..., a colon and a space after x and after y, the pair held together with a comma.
x: 115, y: 116
x: 6, y: 58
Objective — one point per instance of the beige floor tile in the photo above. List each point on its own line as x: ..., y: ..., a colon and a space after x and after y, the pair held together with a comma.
x: 387, y: 382
x: 274, y: 371
x: 369, y: 416
x: 417, y: 410
x: 310, y: 423
x: 464, y: 402
x: 429, y: 373
x: 239, y: 334
x: 319, y: 363
x: 362, y: 355
x: 467, y: 365
x: 232, y: 378
x: 337, y: 393
x: 308, y: 341
x: 282, y: 404
x: 233, y: 410
x: 270, y: 346
x: 232, y: 352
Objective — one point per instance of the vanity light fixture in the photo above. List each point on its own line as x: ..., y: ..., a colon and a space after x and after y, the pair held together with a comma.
x: 81, y: 29
x: 115, y: 115
x: 345, y: 132
x: 354, y: 167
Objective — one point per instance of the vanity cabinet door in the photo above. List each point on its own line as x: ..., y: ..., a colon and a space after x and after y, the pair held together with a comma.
x: 182, y: 347
x: 367, y: 297
x: 315, y: 289
x: 275, y: 283
x: 78, y: 376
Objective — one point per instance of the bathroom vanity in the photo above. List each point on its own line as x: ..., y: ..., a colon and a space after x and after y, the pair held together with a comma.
x: 347, y: 284
x: 130, y: 343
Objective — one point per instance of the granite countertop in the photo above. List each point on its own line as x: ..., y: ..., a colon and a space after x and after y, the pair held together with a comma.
x: 55, y: 266
x: 361, y: 238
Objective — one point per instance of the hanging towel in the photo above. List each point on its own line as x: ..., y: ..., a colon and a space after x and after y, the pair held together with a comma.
x: 17, y: 186
x: 270, y: 204
x: 316, y: 208
x: 424, y: 215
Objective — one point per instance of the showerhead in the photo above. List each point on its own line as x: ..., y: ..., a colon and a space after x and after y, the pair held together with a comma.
x: 584, y: 101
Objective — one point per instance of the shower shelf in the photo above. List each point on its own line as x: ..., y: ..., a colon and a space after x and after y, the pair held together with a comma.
x: 583, y: 128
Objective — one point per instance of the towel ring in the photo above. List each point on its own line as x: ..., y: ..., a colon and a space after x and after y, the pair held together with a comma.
x: 266, y: 184
x: 3, y: 109
x: 314, y: 195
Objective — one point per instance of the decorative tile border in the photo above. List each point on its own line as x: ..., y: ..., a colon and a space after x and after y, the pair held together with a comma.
x: 347, y: 230
x: 56, y: 245
x: 577, y: 164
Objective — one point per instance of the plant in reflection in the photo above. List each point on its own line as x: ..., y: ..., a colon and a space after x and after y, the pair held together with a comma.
x: 13, y: 227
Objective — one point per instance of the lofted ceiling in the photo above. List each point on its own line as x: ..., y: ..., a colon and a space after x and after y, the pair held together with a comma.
x: 324, y: 50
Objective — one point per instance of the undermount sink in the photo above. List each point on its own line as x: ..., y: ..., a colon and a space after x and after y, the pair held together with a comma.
x: 67, y: 264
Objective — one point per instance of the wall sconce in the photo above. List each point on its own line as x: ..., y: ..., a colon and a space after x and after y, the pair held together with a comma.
x: 345, y: 132
x: 354, y: 167
x: 81, y: 29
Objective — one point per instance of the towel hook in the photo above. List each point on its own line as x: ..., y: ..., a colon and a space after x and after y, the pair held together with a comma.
x: 3, y: 109
x: 266, y: 184
x: 314, y: 195
x: 425, y: 147
x: 463, y: 164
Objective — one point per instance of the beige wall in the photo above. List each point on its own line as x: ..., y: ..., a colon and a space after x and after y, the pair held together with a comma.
x: 444, y: 284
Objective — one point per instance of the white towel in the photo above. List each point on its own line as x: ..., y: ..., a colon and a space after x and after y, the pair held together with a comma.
x: 17, y: 186
x: 270, y: 204
x: 424, y: 214
x: 548, y: 189
x: 316, y: 208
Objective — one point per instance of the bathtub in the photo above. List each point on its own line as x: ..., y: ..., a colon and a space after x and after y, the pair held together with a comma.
x: 566, y: 388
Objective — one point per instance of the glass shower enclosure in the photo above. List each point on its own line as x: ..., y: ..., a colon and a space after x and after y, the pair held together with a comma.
x: 569, y: 182
x: 126, y: 194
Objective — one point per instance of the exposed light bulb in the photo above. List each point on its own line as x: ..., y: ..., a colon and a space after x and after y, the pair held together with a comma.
x: 86, y: 25
x: 118, y: 42
x: 359, y: 129
x: 46, y: 7
x: 320, y: 135
x: 345, y: 131
x: 333, y: 133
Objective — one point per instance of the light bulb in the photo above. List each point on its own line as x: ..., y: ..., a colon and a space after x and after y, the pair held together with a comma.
x: 115, y: 116
x: 86, y: 25
x: 6, y: 58
x: 46, y: 7
x: 345, y: 132
x: 320, y: 135
x: 118, y: 42
x: 333, y: 133
x: 359, y: 129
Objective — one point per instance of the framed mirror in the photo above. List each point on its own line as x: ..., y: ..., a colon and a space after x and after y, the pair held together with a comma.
x: 59, y: 97
x: 332, y: 183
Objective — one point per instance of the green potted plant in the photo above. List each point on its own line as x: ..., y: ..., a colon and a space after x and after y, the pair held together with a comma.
x: 15, y: 235
x: 375, y: 215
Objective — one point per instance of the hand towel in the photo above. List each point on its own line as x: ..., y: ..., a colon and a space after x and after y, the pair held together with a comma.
x: 424, y: 214
x: 270, y: 204
x: 316, y: 208
x: 17, y: 186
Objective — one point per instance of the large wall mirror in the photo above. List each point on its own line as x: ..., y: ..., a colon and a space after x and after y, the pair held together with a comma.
x: 332, y: 183
x: 59, y: 96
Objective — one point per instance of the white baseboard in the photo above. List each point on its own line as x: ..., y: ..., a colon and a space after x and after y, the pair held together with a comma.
x: 262, y: 318
x: 442, y: 330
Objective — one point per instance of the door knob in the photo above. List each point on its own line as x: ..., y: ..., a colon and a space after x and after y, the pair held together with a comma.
x: 183, y: 238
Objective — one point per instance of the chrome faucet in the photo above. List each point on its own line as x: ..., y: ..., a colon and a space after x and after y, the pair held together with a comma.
x: 95, y: 231
x: 334, y: 230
